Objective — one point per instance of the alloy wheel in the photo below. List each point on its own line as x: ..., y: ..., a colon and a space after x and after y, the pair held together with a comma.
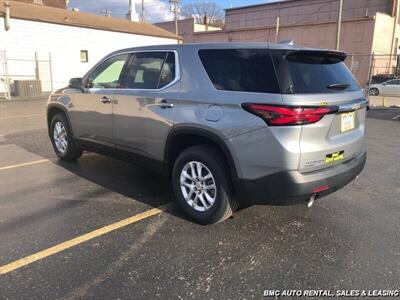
x: 198, y: 186
x: 373, y: 92
x: 60, y: 137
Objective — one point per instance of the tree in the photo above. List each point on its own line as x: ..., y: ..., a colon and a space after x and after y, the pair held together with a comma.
x: 199, y: 10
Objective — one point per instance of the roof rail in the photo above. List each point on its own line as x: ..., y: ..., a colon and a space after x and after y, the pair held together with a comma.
x: 288, y: 42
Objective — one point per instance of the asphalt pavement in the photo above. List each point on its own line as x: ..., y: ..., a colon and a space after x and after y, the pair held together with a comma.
x: 347, y: 240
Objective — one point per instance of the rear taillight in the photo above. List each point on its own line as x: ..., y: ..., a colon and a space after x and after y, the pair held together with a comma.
x: 288, y: 115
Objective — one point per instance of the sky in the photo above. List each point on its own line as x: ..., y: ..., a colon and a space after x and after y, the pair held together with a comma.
x: 155, y: 10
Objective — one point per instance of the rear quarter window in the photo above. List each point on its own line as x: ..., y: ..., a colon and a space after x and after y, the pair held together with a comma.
x: 242, y: 70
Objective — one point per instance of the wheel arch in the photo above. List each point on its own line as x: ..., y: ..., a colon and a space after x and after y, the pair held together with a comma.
x: 181, y: 138
x: 52, y: 110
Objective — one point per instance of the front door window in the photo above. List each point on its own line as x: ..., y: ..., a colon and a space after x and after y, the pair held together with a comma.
x: 108, y: 74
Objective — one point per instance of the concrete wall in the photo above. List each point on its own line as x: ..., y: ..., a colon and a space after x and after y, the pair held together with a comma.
x: 383, y: 33
x: 382, y: 45
x: 64, y: 43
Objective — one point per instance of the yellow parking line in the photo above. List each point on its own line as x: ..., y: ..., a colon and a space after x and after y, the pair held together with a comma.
x: 76, y: 241
x: 24, y: 164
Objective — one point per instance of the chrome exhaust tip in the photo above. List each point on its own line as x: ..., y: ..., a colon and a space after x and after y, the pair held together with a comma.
x: 310, y: 201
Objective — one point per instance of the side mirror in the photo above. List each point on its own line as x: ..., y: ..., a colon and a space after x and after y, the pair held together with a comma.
x: 75, y: 83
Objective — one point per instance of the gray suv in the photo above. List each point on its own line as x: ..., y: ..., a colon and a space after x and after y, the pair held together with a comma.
x: 228, y: 123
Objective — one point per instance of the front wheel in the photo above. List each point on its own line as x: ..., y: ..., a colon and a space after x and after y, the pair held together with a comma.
x: 373, y: 92
x: 202, y: 186
x: 61, y: 138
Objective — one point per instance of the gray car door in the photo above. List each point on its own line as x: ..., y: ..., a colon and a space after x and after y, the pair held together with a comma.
x: 91, y: 109
x: 392, y: 87
x: 145, y: 110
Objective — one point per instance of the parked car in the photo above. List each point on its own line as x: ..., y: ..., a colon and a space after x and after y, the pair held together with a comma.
x: 390, y: 88
x: 228, y: 123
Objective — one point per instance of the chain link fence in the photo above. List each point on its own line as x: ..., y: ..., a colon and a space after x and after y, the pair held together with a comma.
x: 375, y: 68
x: 29, y: 76
x: 378, y: 74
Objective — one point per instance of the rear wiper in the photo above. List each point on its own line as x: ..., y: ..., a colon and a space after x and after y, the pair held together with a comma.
x: 338, y: 86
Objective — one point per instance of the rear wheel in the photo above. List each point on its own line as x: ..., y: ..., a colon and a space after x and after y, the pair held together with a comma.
x: 201, y: 185
x: 61, y: 138
x: 373, y: 92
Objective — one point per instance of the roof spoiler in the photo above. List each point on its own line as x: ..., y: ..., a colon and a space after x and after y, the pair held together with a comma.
x: 324, y: 56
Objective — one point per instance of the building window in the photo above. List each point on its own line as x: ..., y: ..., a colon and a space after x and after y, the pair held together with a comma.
x: 84, y: 56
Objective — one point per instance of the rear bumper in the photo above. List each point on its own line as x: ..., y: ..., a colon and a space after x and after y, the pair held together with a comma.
x: 292, y: 187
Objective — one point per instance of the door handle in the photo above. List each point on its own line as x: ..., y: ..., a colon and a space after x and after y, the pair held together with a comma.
x: 105, y: 99
x: 164, y: 104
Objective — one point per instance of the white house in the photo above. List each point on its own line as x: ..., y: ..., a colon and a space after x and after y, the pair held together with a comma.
x: 73, y: 40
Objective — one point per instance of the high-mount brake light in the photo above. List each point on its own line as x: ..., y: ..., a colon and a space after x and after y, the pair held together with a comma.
x: 288, y: 115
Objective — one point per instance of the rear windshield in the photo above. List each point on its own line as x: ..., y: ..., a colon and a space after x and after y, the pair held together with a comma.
x: 277, y: 71
x: 305, y: 72
x: 245, y: 70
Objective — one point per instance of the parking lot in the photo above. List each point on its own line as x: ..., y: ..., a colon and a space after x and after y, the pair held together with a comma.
x: 347, y: 240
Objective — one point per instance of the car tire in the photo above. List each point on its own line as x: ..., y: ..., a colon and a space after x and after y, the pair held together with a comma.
x: 373, y: 92
x: 193, y: 187
x: 61, y: 137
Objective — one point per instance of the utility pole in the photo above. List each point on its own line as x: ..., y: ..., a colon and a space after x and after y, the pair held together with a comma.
x: 142, y: 14
x: 277, y: 24
x: 339, y: 23
x: 277, y: 30
x: 175, y: 9
x: 205, y: 21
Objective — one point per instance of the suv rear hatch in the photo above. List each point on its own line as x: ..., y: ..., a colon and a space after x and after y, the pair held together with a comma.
x: 321, y: 79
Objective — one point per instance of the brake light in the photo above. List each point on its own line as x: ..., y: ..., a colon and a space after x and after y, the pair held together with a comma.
x: 287, y: 115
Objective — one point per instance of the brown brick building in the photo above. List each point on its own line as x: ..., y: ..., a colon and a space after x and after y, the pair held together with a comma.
x: 368, y: 26
x: 53, y: 3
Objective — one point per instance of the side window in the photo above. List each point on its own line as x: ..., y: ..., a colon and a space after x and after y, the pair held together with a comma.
x: 244, y: 70
x: 151, y: 70
x: 168, y: 70
x: 108, y: 74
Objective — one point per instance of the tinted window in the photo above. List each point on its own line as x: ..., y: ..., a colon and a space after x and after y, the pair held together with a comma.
x: 108, y: 74
x: 303, y: 72
x: 392, y: 82
x: 168, y: 70
x: 245, y: 70
x: 151, y: 70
